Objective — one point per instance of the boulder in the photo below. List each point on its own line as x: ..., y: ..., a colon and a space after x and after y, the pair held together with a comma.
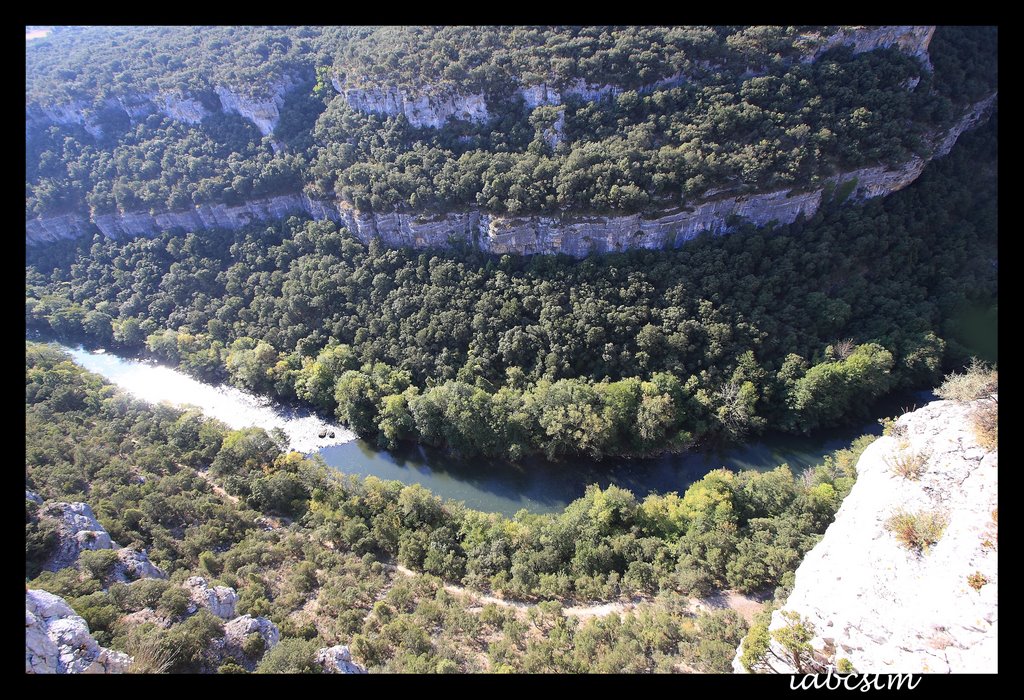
x: 58, y: 641
x: 220, y: 600
x: 338, y: 659
x: 133, y: 565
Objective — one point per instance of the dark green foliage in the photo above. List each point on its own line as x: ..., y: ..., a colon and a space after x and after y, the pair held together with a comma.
x: 640, y: 145
x: 290, y: 656
x: 723, y: 337
x: 40, y: 539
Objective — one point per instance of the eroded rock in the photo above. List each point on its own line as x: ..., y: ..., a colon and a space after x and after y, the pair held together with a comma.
x: 58, y: 641
x: 338, y: 659
x: 219, y: 600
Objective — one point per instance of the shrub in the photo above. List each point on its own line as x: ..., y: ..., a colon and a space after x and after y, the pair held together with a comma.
x: 150, y: 656
x: 97, y: 563
x: 917, y: 531
x: 253, y: 645
x: 909, y: 465
x: 977, y: 580
x: 979, y: 379
x: 985, y: 422
x: 290, y: 656
x: 174, y: 601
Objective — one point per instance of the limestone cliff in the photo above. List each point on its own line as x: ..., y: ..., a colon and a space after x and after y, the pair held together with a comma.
x: 573, y: 235
x: 433, y: 105
x: 890, y: 609
x: 912, y: 40
x: 262, y: 110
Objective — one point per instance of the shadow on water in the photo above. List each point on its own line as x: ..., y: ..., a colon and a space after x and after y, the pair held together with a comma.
x: 544, y: 486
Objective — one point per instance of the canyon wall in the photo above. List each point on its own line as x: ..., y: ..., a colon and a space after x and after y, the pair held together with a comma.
x: 573, y: 235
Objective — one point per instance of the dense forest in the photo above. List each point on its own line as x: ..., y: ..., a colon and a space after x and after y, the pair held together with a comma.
x: 792, y: 328
x: 748, y: 116
x: 286, y: 531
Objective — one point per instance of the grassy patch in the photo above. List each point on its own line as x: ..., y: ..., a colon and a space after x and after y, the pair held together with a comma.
x: 917, y: 531
x: 909, y: 465
x: 985, y: 422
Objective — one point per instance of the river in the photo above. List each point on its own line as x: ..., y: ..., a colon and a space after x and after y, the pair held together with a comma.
x: 535, y: 484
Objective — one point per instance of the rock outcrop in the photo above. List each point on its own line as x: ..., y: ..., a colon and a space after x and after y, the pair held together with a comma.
x: 78, y: 531
x: 889, y: 609
x: 338, y: 659
x: 263, y: 111
x: 133, y: 565
x: 58, y: 641
x: 235, y: 644
x: 219, y: 600
x: 911, y: 40
x: 431, y: 106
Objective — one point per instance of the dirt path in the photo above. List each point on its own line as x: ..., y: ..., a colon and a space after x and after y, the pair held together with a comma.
x: 217, y: 488
x: 747, y: 606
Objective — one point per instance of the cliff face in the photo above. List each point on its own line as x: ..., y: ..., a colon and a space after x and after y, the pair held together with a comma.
x: 430, y: 107
x: 888, y: 609
x: 264, y: 112
x: 576, y: 236
x: 912, y: 40
x: 434, y: 105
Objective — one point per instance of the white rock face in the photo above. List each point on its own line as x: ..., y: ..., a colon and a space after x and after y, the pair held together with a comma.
x: 338, y: 659
x: 220, y: 600
x: 133, y: 565
x: 887, y: 609
x: 180, y: 108
x: 431, y: 106
x: 911, y: 40
x: 58, y: 641
x: 231, y: 646
x: 264, y: 112
x: 238, y: 629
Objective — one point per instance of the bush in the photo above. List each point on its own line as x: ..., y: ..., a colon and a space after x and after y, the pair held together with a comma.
x: 977, y: 580
x: 290, y: 656
x: 174, y: 601
x: 979, y: 380
x: 150, y: 656
x: 144, y: 593
x: 909, y: 465
x: 985, y: 422
x: 917, y: 531
x: 97, y: 563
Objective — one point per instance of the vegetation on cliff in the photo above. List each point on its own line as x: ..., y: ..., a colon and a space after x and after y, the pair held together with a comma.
x: 793, y: 328
x: 747, y: 115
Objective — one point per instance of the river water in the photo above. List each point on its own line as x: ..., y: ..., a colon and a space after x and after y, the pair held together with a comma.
x: 535, y: 484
